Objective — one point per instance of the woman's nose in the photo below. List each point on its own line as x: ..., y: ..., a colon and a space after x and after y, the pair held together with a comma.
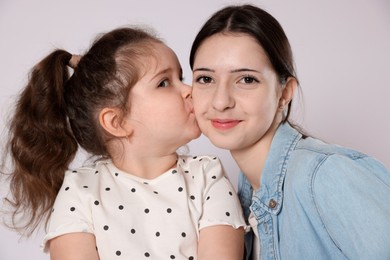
x: 222, y: 98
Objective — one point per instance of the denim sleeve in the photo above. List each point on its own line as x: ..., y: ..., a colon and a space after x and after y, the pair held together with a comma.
x: 352, y: 196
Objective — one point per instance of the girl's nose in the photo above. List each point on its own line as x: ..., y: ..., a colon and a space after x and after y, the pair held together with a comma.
x: 186, y: 90
x: 222, y: 98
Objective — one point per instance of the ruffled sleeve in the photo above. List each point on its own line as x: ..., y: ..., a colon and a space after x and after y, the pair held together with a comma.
x: 221, y: 205
x: 71, y: 212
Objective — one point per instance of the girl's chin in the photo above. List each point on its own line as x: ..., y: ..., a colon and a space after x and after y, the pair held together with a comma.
x: 195, y: 135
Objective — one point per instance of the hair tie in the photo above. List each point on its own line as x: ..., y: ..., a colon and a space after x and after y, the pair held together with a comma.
x: 74, y: 61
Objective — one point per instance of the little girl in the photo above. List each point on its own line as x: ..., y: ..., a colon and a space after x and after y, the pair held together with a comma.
x: 126, y: 103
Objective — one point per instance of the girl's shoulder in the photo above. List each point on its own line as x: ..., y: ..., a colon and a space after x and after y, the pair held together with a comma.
x: 88, y: 173
x: 198, y: 158
x: 202, y: 169
x: 202, y: 162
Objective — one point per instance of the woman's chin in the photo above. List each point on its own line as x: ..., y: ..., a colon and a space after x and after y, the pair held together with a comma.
x: 223, y: 143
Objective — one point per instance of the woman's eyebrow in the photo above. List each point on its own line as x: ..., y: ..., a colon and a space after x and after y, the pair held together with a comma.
x: 231, y: 71
x: 244, y: 70
x: 203, y: 69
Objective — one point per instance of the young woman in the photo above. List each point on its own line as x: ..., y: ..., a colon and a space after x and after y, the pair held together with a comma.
x: 303, y: 198
x: 126, y: 103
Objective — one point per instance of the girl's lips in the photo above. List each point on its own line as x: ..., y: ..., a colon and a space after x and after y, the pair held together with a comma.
x: 224, y: 124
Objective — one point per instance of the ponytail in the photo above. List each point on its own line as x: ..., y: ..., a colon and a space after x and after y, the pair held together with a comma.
x: 41, y: 143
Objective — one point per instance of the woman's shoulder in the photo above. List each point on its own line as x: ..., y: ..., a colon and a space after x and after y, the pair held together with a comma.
x: 322, y: 168
x: 317, y: 164
x: 333, y: 158
x: 347, y: 188
x: 313, y: 146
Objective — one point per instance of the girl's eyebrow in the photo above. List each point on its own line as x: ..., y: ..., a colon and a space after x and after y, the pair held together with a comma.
x: 163, y: 71
x: 167, y: 70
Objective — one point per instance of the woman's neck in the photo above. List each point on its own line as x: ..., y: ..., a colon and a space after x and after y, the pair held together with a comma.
x: 251, y: 160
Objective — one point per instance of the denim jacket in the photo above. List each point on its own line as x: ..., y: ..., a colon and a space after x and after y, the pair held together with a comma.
x: 318, y: 201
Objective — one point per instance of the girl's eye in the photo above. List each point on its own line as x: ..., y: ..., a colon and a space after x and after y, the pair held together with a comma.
x: 163, y: 84
x: 249, y: 80
x: 204, y: 80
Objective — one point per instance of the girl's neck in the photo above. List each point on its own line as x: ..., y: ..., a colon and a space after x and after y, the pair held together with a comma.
x: 142, y: 159
x: 251, y: 160
x: 146, y: 167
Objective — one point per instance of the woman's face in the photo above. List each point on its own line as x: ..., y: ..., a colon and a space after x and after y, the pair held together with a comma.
x: 236, y: 91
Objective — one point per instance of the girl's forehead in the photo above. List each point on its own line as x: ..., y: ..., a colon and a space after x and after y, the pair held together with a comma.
x: 160, y: 58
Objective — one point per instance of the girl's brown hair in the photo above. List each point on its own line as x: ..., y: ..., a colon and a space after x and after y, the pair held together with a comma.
x: 56, y: 113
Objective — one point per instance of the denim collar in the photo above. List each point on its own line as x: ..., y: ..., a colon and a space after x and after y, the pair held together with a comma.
x: 269, y: 197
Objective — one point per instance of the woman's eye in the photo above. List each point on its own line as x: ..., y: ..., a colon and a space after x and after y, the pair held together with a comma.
x: 163, y: 84
x: 204, y: 80
x: 249, y: 80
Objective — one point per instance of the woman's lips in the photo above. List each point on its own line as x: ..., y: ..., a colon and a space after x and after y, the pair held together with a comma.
x: 224, y: 124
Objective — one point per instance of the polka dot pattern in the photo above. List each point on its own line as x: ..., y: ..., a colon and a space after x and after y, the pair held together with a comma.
x: 122, y: 210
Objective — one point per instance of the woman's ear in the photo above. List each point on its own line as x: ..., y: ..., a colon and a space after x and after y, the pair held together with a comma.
x: 111, y: 121
x: 288, y: 92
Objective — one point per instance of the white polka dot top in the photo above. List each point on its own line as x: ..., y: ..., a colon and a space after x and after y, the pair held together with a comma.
x: 135, y: 218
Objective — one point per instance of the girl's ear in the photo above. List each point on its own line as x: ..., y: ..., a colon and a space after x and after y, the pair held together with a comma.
x: 288, y: 92
x: 111, y: 121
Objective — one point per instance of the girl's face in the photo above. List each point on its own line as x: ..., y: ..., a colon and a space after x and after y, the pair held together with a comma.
x: 236, y: 91
x: 161, y: 110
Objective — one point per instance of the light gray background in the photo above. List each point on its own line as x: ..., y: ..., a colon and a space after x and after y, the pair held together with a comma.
x: 341, y: 49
